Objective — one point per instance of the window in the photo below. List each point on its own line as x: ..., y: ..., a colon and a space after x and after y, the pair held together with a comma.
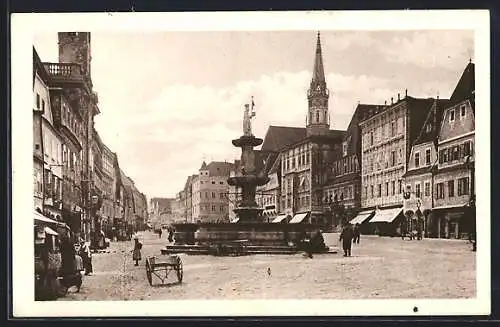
x: 371, y: 187
x: 393, y: 158
x: 417, y: 159
x: 451, y: 188
x: 206, y: 195
x: 427, y: 188
x: 462, y: 111
x: 222, y: 196
x: 393, y: 128
x: 366, y: 191
x: 400, y: 187
x: 43, y: 105
x: 428, y: 128
x: 463, y: 186
x: 379, y: 192
x: 393, y: 187
x: 221, y: 183
x: 213, y: 207
x: 428, y: 157
x: 440, y: 191
x: 417, y: 190
x: 371, y: 138
x: 344, y: 149
x: 452, y: 115
x: 317, y: 116
x: 38, y: 101
x: 221, y: 208
x: 213, y: 182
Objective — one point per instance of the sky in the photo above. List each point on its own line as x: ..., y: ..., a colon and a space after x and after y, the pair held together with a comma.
x: 170, y: 100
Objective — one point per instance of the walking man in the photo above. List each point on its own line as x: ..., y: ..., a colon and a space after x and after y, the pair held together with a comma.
x: 346, y: 237
x: 136, y: 252
x: 357, y: 234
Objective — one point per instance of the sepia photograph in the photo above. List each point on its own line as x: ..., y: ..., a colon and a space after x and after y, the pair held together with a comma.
x: 279, y: 166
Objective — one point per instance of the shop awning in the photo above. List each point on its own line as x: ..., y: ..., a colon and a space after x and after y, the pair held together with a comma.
x: 361, y: 217
x: 298, y: 218
x: 50, y: 231
x: 279, y: 219
x: 41, y: 218
x: 385, y: 215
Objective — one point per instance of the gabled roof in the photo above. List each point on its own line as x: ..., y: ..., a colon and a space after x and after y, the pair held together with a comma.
x: 433, y: 119
x: 269, y: 162
x: 276, y: 164
x: 465, y: 86
x: 278, y: 137
x: 218, y: 168
x: 203, y: 166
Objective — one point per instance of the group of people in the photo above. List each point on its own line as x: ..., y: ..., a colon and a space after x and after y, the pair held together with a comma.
x: 350, y: 235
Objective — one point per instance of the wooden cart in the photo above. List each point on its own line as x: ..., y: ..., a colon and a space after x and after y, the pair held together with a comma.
x: 169, y: 264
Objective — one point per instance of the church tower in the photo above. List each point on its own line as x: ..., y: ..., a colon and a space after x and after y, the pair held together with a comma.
x: 318, y: 121
x: 74, y: 47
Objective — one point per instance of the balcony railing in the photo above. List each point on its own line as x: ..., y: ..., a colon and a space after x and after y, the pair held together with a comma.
x: 65, y: 71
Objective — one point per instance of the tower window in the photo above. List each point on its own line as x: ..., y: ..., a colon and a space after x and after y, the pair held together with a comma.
x: 317, y: 116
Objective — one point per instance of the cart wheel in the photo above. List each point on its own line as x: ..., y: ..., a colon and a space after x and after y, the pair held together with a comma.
x: 179, y: 271
x: 148, y: 272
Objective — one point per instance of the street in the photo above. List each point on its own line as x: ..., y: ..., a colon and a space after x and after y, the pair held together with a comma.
x: 379, y: 268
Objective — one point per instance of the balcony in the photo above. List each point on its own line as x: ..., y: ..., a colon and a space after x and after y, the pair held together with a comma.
x: 65, y: 72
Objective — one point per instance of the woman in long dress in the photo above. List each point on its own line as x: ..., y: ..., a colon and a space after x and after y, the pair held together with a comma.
x: 136, y: 255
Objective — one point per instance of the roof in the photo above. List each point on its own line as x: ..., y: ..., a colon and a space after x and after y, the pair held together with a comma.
x: 278, y: 137
x: 270, y: 161
x: 275, y: 165
x: 126, y: 181
x: 465, y: 86
x: 318, y: 70
x: 39, y: 67
x: 433, y: 118
x: 418, y: 171
x: 203, y: 165
x: 219, y: 168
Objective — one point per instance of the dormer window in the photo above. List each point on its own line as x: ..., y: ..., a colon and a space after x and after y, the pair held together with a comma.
x: 452, y: 115
x: 462, y: 111
x: 344, y: 149
x: 428, y: 128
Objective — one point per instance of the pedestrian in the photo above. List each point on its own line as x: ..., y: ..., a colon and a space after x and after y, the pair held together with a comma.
x: 346, y: 237
x: 170, y: 234
x: 86, y: 255
x: 136, y: 255
x: 159, y: 233
x: 357, y: 234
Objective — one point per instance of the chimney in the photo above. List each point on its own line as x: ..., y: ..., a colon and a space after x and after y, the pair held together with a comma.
x: 406, y: 93
x: 392, y: 100
x: 385, y: 102
x: 399, y: 98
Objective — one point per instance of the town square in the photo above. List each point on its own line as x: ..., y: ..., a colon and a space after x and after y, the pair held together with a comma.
x: 254, y: 165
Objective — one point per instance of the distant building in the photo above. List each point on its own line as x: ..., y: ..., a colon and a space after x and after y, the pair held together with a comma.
x: 269, y: 195
x: 160, y: 211
x: 210, y: 192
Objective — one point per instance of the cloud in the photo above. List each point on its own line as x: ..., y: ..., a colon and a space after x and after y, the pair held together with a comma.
x: 443, y: 49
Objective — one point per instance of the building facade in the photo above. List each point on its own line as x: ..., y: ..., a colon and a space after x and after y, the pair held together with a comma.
x: 210, y: 193
x: 386, y: 138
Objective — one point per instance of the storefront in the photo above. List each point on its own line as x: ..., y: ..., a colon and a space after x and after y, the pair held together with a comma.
x: 452, y: 222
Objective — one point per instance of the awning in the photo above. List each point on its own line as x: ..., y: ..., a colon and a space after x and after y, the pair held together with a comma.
x: 298, y: 218
x: 361, y: 217
x: 279, y: 219
x: 42, y: 218
x: 386, y: 215
x: 50, y: 231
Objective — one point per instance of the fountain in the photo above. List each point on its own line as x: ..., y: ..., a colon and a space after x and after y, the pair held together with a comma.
x: 248, y: 235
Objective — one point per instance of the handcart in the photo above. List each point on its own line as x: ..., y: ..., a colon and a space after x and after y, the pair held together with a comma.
x: 169, y: 264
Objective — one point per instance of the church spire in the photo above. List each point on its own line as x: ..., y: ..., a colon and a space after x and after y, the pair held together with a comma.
x: 318, y: 72
x: 318, y: 121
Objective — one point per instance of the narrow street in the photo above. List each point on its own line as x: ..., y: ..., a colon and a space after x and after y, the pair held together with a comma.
x: 379, y: 268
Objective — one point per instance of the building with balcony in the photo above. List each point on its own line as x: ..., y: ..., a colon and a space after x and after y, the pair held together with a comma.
x: 453, y: 214
x: 210, y: 192
x: 387, y: 134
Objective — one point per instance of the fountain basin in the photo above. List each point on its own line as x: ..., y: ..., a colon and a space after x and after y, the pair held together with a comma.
x: 247, y: 140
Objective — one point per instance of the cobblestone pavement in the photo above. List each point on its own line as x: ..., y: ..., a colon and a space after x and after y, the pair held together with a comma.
x: 379, y: 268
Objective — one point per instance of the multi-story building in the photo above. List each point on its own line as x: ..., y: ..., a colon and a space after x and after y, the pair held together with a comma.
x: 188, y: 191
x: 179, y: 207
x: 108, y: 194
x: 306, y: 152
x: 386, y: 138
x: 453, y: 214
x: 342, y: 191
x: 72, y: 97
x: 160, y: 211
x: 51, y: 143
x: 210, y: 192
x: 119, y: 222
x: 269, y: 195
